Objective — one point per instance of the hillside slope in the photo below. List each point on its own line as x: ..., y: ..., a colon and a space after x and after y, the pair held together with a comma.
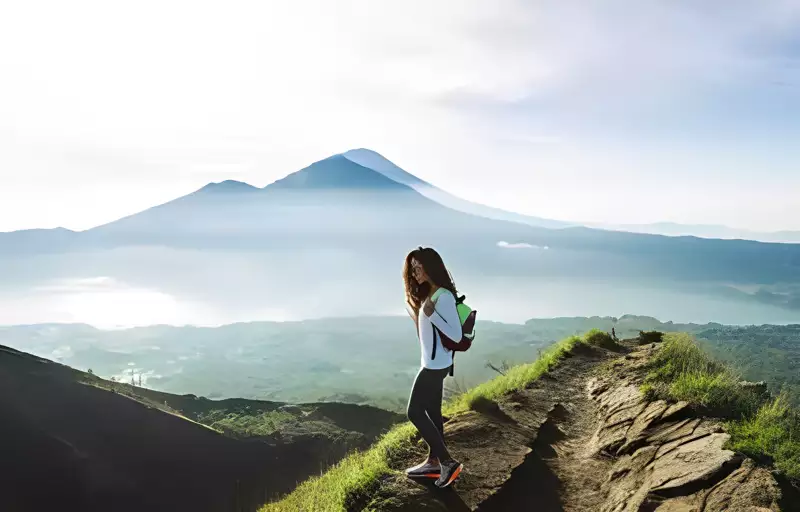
x: 582, y: 437
x: 71, y: 441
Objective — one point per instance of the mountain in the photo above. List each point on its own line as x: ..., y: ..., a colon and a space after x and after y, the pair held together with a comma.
x: 345, y: 222
x: 377, y: 162
x: 334, y: 200
x: 72, y: 441
x: 704, y: 231
x: 340, y: 204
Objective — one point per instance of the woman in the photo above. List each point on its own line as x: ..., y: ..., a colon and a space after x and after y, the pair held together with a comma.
x: 424, y: 275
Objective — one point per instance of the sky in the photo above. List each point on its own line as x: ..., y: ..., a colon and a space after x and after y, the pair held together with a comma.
x: 592, y: 111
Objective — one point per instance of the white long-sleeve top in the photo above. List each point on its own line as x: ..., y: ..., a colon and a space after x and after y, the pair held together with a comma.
x: 445, y: 317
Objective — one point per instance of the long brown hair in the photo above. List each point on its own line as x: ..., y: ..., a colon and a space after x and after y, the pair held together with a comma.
x: 433, y: 265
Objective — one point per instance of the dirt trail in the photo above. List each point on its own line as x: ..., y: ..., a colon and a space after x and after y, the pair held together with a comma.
x: 580, y: 472
x: 527, y: 449
x: 561, y: 473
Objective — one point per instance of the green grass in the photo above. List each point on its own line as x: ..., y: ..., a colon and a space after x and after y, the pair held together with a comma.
x: 773, y: 433
x: 766, y: 431
x: 602, y: 339
x: 681, y: 370
x: 515, y: 379
x: 357, y: 477
x: 244, y: 425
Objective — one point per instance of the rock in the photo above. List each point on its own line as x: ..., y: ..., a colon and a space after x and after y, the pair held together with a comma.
x: 674, y: 410
x: 636, y: 434
x: 627, y: 414
x: 759, y: 388
x: 747, y: 488
x: 701, y: 429
x: 291, y: 409
x: 683, y: 504
x: 671, y: 461
x: 609, y: 439
x: 626, y: 489
x: 620, y: 398
x: 755, y: 385
x: 672, y: 431
x: 635, y: 463
x: 691, y: 464
x: 595, y: 387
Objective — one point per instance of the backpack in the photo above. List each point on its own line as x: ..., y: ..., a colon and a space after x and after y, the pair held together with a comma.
x: 466, y: 316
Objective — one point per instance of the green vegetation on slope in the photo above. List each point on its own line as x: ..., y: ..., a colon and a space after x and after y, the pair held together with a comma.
x: 243, y: 425
x: 765, y: 429
x: 357, y: 476
x: 765, y: 352
x: 773, y: 433
x: 324, y: 360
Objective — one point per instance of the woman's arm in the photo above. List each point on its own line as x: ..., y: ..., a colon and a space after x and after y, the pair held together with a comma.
x: 445, y: 316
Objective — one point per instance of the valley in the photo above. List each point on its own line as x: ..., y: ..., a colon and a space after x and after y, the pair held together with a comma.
x: 356, y: 360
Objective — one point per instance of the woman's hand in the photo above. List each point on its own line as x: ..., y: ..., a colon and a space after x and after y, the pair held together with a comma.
x: 428, y: 307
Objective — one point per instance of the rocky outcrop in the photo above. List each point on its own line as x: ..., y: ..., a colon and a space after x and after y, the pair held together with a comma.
x: 666, y: 459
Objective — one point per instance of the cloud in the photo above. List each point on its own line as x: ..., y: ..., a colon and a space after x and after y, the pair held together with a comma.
x: 256, y: 90
x: 506, y: 245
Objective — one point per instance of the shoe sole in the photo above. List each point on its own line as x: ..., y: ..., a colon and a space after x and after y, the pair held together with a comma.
x: 423, y: 475
x: 453, y: 476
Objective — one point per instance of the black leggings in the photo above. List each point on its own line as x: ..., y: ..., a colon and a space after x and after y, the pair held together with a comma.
x: 425, y: 409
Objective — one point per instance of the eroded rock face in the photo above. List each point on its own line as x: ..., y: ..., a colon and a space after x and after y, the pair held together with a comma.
x: 669, y: 461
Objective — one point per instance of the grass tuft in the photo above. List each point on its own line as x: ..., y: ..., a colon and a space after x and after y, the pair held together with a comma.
x: 772, y: 435
x: 602, y: 339
x: 648, y: 337
x: 357, y: 477
x: 681, y: 370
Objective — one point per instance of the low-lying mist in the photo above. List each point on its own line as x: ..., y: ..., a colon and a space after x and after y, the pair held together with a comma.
x: 147, y: 286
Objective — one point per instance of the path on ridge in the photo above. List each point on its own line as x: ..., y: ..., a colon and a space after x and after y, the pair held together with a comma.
x: 529, y: 448
x: 582, y: 438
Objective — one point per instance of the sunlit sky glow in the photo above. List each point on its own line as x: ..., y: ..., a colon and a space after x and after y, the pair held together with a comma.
x: 602, y: 111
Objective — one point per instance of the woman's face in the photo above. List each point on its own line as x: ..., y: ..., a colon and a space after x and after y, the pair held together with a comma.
x: 418, y: 272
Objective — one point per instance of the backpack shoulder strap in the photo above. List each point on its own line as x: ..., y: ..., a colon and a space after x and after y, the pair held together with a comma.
x: 438, y: 294
x: 435, y: 334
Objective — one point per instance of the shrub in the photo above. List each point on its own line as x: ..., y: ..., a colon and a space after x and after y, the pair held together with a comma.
x: 599, y: 338
x: 648, y: 337
x: 680, y: 370
x: 772, y: 434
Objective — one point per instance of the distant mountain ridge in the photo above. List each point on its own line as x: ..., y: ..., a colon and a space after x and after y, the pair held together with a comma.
x: 346, y: 217
x: 377, y: 162
x: 310, y: 177
x: 705, y: 231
